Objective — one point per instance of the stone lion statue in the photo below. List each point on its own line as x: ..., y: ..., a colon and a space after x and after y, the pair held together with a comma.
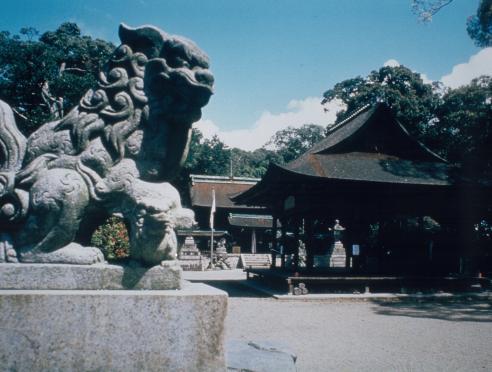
x: 114, y: 153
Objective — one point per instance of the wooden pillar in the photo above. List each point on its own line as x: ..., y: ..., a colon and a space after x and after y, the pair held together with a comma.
x: 274, y: 241
x: 309, y: 240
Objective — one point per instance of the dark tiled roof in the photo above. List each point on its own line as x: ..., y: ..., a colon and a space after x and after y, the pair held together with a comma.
x: 251, y: 220
x: 201, y: 192
x: 372, y: 145
x: 372, y: 167
x: 343, y: 130
x: 374, y: 128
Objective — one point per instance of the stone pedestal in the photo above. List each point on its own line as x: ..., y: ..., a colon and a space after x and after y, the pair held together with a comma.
x: 337, y: 255
x: 167, y: 275
x: 113, y: 330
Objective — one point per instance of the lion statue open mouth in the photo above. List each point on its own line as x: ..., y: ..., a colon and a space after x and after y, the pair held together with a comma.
x: 114, y: 153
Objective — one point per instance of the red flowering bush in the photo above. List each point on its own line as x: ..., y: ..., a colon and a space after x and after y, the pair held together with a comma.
x: 112, y: 238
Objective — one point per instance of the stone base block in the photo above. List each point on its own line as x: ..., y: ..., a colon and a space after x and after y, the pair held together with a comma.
x: 191, y: 264
x: 338, y: 261
x: 107, y: 330
x: 98, y: 276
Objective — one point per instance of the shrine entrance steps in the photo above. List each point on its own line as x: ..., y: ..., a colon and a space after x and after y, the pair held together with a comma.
x: 255, y: 261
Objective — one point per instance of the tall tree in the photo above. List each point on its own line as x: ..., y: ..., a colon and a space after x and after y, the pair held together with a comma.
x: 290, y: 143
x: 479, y: 26
x: 413, y: 101
x: 463, y: 129
x: 213, y: 158
x: 43, y: 77
x: 253, y: 163
x: 205, y: 156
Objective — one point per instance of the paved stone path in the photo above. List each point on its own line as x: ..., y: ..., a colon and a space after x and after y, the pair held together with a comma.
x: 366, y: 336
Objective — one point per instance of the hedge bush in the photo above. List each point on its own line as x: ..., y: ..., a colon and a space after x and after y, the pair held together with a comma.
x: 112, y: 238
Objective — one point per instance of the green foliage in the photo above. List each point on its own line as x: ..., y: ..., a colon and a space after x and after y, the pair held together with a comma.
x: 205, y: 156
x: 413, y: 101
x: 463, y: 129
x: 253, y: 163
x: 65, y: 63
x: 479, y: 26
x: 112, y: 238
x: 213, y: 157
x: 290, y: 143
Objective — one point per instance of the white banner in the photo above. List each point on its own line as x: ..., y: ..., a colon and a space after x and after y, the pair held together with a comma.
x: 212, y: 210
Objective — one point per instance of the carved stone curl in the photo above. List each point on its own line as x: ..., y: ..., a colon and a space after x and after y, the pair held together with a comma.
x: 114, y: 153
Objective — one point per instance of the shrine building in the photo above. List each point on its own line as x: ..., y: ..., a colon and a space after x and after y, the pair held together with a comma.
x: 246, y: 226
x: 403, y: 208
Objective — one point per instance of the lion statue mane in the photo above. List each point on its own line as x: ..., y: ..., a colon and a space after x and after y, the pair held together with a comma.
x: 114, y: 153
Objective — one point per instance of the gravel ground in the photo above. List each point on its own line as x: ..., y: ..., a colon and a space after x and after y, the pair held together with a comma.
x: 366, y: 336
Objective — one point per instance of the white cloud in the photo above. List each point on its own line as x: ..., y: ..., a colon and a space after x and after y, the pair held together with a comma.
x: 426, y: 79
x: 394, y: 63
x: 309, y: 110
x: 391, y: 63
x: 207, y: 127
x: 478, y: 64
x: 299, y: 112
x: 461, y: 74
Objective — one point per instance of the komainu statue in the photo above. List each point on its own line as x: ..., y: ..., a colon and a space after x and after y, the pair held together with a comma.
x: 114, y: 153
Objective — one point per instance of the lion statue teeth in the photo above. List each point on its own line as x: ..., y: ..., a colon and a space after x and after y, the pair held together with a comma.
x: 114, y: 153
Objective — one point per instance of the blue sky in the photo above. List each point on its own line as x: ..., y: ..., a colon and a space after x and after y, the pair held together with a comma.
x: 274, y: 59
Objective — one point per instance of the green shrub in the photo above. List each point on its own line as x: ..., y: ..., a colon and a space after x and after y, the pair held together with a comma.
x: 112, y: 238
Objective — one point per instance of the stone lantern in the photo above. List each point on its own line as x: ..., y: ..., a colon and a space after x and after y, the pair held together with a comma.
x: 337, y: 251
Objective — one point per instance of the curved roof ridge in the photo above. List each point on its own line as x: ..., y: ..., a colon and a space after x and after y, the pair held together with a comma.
x: 352, y: 115
x: 421, y: 144
x: 329, y: 140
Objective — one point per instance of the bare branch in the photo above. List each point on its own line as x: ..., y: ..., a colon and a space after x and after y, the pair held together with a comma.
x: 426, y: 9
